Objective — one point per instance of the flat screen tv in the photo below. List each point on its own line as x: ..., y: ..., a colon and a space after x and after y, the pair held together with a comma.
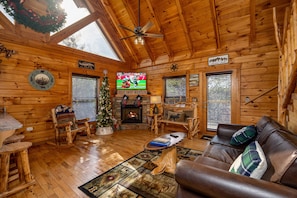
x: 131, y: 81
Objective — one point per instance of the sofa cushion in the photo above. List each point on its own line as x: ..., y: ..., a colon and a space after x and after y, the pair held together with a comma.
x: 222, y: 153
x: 281, y: 153
x: 251, y: 162
x: 243, y: 135
x: 212, y: 162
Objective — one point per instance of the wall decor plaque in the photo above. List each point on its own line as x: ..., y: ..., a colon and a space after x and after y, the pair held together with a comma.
x: 41, y: 79
x: 218, y: 60
x: 86, y: 65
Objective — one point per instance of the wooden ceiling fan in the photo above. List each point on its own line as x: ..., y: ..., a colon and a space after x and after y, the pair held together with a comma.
x: 140, y: 32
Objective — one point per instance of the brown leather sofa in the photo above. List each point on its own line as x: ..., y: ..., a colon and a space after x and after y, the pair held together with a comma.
x: 208, y: 175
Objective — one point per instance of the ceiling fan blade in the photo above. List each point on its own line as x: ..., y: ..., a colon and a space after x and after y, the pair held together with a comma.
x: 153, y: 35
x: 126, y: 28
x: 147, y: 26
x: 127, y: 37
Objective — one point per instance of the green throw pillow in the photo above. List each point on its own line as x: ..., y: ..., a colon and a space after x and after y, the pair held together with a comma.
x: 251, y: 162
x: 243, y: 135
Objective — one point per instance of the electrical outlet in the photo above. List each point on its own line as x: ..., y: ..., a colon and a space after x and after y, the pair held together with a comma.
x: 29, y: 129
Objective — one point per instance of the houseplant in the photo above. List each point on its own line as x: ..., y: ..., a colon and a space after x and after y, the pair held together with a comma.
x: 104, y: 116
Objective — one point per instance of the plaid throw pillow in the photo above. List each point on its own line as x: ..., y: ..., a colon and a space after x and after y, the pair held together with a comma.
x: 251, y: 162
x: 243, y: 135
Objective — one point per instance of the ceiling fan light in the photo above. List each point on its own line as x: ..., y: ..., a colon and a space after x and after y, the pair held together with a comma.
x: 136, y: 41
x: 142, y: 41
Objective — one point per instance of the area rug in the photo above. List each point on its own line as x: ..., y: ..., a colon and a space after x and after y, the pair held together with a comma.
x: 132, y: 178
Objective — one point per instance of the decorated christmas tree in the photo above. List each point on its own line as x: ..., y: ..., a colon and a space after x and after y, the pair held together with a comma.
x: 104, y: 116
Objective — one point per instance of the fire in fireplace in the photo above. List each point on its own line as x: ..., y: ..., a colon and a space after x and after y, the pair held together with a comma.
x: 131, y: 114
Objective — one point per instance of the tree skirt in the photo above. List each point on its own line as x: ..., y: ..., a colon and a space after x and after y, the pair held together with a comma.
x: 104, y: 131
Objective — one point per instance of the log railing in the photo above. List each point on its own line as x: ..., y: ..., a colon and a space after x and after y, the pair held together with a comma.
x: 287, y: 45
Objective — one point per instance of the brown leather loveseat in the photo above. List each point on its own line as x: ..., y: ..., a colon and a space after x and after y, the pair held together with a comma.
x: 209, y: 176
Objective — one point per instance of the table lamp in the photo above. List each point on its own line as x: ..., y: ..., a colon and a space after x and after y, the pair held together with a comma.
x: 156, y: 100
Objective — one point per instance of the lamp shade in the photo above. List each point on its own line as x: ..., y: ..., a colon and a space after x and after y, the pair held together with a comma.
x: 156, y: 99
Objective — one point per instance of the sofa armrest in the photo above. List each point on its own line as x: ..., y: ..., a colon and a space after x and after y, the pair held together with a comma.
x: 213, y: 182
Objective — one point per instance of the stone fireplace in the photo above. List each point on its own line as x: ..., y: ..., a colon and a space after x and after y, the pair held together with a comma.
x: 129, y: 115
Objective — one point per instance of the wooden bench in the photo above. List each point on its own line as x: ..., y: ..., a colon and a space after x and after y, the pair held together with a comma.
x: 183, y: 114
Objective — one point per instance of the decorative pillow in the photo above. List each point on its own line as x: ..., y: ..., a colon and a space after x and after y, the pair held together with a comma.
x: 176, y: 116
x: 243, y: 135
x: 65, y: 114
x: 251, y: 162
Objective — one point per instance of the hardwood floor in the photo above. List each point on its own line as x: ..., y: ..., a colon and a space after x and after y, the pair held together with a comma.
x: 59, y: 171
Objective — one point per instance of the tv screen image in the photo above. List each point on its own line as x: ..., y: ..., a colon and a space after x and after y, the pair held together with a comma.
x: 131, y: 81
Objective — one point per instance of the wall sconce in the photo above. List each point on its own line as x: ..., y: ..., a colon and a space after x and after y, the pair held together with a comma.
x: 174, y: 67
x: 156, y: 100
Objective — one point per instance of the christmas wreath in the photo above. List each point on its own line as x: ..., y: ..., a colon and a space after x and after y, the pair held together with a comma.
x: 51, y: 22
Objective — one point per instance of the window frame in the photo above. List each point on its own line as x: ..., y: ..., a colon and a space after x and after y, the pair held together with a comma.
x: 185, y: 74
x: 98, y: 80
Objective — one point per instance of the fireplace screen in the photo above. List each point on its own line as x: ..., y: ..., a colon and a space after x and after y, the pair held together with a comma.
x: 131, y: 114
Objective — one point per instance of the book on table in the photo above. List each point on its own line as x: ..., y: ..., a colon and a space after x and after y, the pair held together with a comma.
x: 160, y: 142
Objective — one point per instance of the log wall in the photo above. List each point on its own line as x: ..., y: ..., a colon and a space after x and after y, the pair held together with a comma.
x: 31, y: 106
x: 258, y: 68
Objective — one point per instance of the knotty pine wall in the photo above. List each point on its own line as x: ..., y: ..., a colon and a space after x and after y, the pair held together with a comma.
x: 258, y: 72
x: 30, y: 106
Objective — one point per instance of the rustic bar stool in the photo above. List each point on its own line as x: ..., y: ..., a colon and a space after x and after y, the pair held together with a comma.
x: 13, y: 139
x: 20, y: 150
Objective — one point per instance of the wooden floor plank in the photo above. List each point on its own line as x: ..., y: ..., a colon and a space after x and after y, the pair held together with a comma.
x: 59, y: 171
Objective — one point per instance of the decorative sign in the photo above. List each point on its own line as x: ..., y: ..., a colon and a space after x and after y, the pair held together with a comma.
x: 194, y: 80
x: 41, y: 79
x: 218, y: 60
x: 86, y: 65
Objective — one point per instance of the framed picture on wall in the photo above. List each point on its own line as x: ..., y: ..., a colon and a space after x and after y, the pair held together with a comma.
x: 41, y: 79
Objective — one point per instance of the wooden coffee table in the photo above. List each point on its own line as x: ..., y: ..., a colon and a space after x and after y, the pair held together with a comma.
x: 167, y: 161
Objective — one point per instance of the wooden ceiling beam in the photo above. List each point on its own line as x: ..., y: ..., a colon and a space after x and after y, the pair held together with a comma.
x: 252, y: 21
x: 116, y: 23
x: 184, y: 25
x: 158, y: 25
x: 215, y: 22
x: 63, y: 34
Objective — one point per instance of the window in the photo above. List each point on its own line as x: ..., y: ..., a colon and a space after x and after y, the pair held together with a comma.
x: 98, y: 44
x: 90, y: 38
x: 84, y: 96
x: 175, y: 89
x: 218, y: 99
x: 10, y: 18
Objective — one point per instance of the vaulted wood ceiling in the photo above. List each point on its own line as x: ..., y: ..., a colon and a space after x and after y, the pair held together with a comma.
x: 192, y: 27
